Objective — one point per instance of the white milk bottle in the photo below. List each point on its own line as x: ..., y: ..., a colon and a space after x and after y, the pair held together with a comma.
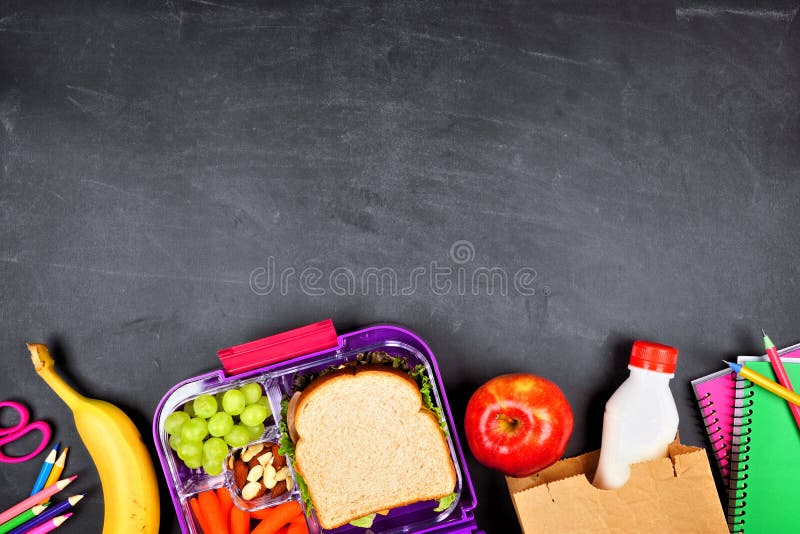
x: 641, y: 419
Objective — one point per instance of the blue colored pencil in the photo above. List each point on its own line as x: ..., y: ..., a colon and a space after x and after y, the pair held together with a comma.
x: 54, y: 511
x: 44, y: 472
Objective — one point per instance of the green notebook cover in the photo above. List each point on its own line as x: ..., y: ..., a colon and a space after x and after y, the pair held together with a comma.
x: 765, y: 476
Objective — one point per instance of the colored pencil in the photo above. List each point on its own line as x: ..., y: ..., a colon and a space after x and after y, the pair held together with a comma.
x: 33, y: 500
x: 27, y: 515
x: 50, y: 525
x: 58, y: 468
x: 44, y: 472
x: 764, y: 382
x: 57, y: 510
x: 780, y: 373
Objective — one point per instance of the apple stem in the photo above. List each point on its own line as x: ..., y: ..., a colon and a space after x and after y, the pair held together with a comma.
x: 507, y: 424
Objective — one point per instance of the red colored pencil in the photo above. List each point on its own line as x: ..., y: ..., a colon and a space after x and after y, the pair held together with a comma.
x: 780, y: 373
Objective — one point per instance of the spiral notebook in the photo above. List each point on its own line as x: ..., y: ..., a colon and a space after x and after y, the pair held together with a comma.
x: 715, y: 396
x: 765, y: 456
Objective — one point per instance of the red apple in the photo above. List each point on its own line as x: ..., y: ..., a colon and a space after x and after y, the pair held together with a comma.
x: 518, y: 424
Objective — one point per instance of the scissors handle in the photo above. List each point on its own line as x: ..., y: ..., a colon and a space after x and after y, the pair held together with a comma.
x: 13, y: 433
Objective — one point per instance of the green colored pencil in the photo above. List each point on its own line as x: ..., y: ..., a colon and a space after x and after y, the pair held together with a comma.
x: 24, y: 517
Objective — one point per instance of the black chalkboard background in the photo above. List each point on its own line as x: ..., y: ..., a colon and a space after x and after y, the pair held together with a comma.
x: 638, y: 162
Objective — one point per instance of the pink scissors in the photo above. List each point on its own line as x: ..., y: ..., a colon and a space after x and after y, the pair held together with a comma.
x: 13, y: 433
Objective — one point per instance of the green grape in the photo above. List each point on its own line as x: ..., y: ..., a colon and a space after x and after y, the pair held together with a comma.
x: 205, y: 406
x: 252, y: 392
x: 193, y: 462
x: 263, y: 401
x: 220, y: 424
x: 174, y: 422
x: 195, y: 429
x: 175, y: 442
x: 253, y: 415
x: 190, y: 449
x: 189, y: 408
x: 255, y: 431
x: 233, y: 402
x: 212, y: 466
x: 238, y: 436
x: 215, y: 448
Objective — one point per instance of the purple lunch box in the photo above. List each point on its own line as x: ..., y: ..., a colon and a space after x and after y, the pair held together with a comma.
x: 273, y: 362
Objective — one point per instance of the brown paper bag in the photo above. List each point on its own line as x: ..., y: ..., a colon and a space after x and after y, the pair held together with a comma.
x: 673, y: 494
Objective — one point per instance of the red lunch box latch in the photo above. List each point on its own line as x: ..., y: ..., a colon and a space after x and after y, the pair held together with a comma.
x: 273, y: 349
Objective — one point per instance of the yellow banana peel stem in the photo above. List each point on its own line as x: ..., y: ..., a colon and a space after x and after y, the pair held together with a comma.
x: 45, y: 366
x: 130, y: 489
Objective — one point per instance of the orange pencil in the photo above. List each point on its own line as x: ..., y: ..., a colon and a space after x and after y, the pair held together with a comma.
x: 764, y: 382
x: 58, y: 468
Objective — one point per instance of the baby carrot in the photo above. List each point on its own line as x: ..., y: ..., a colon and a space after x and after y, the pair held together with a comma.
x: 298, y: 525
x: 278, y: 517
x: 225, y: 501
x: 240, y: 521
x: 288, y: 509
x: 209, y: 504
x: 283, y: 530
x: 198, y: 515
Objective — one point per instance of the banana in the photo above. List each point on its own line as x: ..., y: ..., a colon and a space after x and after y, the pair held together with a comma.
x: 130, y: 490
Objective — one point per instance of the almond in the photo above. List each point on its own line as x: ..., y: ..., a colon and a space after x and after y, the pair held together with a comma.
x: 279, y: 489
x: 252, y: 490
x: 269, y: 477
x: 255, y: 473
x: 251, y: 451
x: 230, y: 462
x: 239, y: 473
x: 282, y: 473
x: 277, y: 458
x: 265, y: 458
x: 289, y: 483
x: 252, y: 463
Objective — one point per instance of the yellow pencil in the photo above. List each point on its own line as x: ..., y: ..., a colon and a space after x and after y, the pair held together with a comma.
x: 58, y: 468
x: 766, y: 383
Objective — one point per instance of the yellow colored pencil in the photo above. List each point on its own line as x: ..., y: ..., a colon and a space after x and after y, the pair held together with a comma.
x: 58, y: 468
x: 766, y: 383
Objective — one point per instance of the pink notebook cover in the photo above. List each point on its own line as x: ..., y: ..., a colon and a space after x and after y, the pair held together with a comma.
x: 716, y: 397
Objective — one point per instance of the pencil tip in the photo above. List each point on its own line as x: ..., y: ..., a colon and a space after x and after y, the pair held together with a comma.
x: 65, y: 482
x: 763, y: 333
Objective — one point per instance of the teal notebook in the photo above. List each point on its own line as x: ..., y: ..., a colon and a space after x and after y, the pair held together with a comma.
x: 765, y: 472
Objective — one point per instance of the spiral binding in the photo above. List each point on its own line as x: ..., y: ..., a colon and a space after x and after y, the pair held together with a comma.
x: 715, y: 431
x: 737, y: 494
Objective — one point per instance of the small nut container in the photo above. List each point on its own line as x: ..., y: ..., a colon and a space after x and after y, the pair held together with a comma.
x: 255, y: 473
x: 258, y: 475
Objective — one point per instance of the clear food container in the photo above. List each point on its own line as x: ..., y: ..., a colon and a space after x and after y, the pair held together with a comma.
x: 273, y: 363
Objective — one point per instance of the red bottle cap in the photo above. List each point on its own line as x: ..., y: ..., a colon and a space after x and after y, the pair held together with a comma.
x: 654, y: 356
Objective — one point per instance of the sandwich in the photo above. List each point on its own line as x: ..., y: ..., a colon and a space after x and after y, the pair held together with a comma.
x: 366, y: 437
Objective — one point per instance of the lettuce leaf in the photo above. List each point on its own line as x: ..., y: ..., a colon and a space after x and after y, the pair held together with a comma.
x: 364, y: 522
x: 420, y: 375
x: 287, y: 448
x: 445, y: 502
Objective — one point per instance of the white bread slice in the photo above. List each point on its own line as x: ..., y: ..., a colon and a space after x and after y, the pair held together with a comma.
x: 366, y: 443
